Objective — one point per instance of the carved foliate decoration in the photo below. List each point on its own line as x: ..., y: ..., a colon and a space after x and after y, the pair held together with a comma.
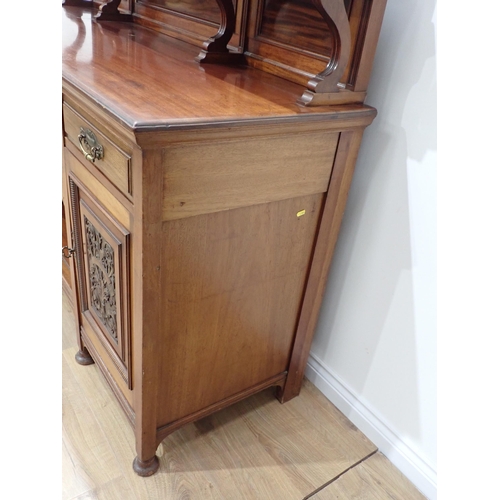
x: 101, y: 261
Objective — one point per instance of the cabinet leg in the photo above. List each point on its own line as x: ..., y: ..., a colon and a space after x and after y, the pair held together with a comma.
x: 147, y: 467
x: 282, y: 395
x: 83, y: 357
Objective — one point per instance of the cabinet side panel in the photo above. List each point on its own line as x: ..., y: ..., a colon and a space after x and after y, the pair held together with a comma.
x: 232, y: 286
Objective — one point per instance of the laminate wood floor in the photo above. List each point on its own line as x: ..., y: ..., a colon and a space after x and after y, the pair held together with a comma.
x: 257, y: 449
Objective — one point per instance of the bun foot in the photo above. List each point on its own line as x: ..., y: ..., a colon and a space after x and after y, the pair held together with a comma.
x: 83, y: 357
x: 147, y: 468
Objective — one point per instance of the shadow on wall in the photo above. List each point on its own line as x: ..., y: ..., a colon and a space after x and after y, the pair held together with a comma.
x: 367, y: 331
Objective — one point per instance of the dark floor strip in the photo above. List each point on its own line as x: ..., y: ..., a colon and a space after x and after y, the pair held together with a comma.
x: 339, y: 475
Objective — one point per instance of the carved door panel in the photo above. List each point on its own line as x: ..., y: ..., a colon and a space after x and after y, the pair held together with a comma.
x: 102, y: 251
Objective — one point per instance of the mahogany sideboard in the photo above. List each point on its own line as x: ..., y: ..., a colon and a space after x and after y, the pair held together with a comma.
x: 208, y: 151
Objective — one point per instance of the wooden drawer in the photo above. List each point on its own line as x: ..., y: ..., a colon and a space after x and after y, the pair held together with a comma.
x: 109, y: 158
x: 207, y: 177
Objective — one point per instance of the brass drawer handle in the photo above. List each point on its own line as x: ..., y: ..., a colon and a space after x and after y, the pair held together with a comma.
x: 89, y: 145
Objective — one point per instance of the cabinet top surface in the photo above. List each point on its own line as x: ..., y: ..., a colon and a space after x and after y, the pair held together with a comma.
x: 151, y: 81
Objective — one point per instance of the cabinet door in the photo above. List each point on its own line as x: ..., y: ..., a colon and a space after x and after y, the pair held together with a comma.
x: 103, y: 276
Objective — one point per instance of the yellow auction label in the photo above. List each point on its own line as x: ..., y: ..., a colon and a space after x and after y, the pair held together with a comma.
x: 301, y: 213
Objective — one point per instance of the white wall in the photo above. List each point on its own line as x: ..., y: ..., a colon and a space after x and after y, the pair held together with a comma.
x: 374, y: 351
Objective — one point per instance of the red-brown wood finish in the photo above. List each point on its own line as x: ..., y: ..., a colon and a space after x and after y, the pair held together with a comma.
x: 205, y: 10
x: 328, y: 231
x: 295, y: 23
x: 78, y: 3
x: 108, y: 11
x: 201, y: 202
x: 299, y: 50
x: 215, y: 49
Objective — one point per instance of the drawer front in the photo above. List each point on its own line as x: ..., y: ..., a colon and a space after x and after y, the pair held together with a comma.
x: 98, y: 148
x: 202, y: 178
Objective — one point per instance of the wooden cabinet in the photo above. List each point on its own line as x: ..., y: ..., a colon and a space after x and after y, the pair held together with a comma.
x: 202, y: 203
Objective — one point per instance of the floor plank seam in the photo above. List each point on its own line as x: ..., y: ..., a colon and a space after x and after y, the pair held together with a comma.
x: 323, y: 486
x: 80, y: 495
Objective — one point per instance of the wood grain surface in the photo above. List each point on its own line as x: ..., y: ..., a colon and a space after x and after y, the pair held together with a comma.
x: 373, y: 479
x: 147, y: 81
x: 296, y: 23
x: 210, y: 177
x: 231, y: 286
x: 323, y: 252
x: 202, y: 9
x: 290, y: 39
